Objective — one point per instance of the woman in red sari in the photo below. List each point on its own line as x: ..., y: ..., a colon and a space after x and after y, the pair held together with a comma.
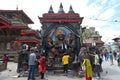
x: 42, y: 66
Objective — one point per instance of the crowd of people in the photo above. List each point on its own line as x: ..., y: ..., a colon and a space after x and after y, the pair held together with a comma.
x: 90, y: 63
x: 112, y: 55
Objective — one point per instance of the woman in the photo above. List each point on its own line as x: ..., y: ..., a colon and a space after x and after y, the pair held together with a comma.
x: 42, y: 66
x: 88, y: 69
x: 5, y: 60
x: 111, y: 57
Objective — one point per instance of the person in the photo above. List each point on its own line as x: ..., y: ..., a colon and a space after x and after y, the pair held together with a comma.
x: 88, y: 69
x: 42, y: 65
x: 100, y: 61
x: 111, y: 57
x: 65, y: 61
x: 118, y: 60
x: 32, y: 63
x: 37, y: 56
x: 97, y: 65
x: 115, y: 55
x: 106, y: 56
x: 5, y: 60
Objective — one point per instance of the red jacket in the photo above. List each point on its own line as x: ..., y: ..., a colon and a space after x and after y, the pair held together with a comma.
x: 5, y: 59
x: 42, y: 64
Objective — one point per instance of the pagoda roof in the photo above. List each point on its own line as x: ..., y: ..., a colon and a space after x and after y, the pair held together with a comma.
x: 90, y: 42
x: 63, y: 17
x: 99, y: 41
x: 30, y: 31
x: 15, y: 17
x: 95, y: 36
x: 55, y: 15
x: 30, y: 39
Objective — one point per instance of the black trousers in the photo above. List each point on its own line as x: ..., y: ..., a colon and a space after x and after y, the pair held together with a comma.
x: 97, y: 70
x: 42, y: 75
x: 65, y: 68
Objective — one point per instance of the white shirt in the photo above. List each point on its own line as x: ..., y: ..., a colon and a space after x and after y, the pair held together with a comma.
x: 97, y: 59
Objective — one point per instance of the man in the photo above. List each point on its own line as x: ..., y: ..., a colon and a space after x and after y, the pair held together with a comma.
x: 32, y: 63
x: 118, y: 60
x: 65, y: 61
x: 97, y: 65
x: 115, y: 54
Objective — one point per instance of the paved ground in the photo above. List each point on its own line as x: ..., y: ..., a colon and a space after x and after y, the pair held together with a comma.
x: 109, y: 73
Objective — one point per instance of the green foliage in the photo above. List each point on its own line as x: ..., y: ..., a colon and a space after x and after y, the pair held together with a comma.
x: 86, y: 34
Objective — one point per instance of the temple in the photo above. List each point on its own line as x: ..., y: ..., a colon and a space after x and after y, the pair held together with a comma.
x: 29, y: 38
x: 94, y: 39
x: 11, y: 24
x: 61, y: 33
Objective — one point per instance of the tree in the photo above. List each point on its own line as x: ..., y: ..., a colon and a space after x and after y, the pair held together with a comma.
x: 86, y: 34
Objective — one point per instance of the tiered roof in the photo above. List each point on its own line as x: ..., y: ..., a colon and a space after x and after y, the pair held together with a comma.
x: 14, y: 19
x: 29, y: 36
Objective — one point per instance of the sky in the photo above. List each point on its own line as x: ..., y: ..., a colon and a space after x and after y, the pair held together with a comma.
x: 104, y: 15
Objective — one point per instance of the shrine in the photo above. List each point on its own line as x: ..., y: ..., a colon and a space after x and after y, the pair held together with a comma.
x: 61, y: 33
x: 29, y: 38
